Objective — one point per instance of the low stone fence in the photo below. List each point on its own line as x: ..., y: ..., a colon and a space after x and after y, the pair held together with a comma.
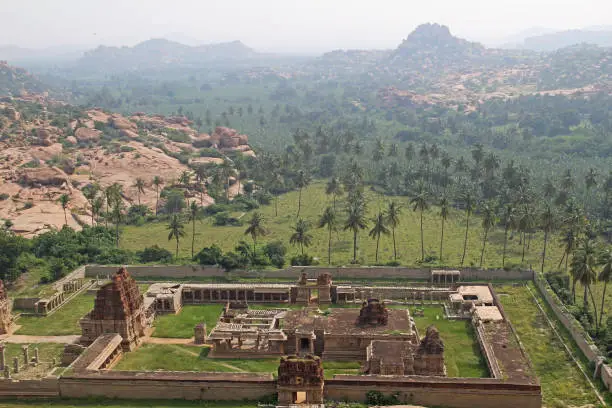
x: 292, y: 272
x: 440, y: 391
x: 168, y: 385
x: 45, y: 306
x: 45, y: 388
x: 576, y: 331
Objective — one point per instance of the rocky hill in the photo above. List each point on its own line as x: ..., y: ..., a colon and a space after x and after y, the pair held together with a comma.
x: 48, y: 149
x: 17, y: 81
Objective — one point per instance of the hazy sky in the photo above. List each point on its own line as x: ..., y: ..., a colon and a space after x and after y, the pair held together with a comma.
x: 283, y: 25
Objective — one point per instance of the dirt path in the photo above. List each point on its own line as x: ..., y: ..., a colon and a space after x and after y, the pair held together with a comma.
x: 164, y: 340
x: 23, y: 339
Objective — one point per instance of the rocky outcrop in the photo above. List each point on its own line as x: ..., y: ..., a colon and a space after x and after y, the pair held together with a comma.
x: 84, y: 134
x: 226, y: 138
x: 44, y: 176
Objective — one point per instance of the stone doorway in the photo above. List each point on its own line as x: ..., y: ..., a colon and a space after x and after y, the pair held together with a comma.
x: 305, y: 345
x: 299, y: 397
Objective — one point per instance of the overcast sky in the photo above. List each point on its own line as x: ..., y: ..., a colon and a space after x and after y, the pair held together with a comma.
x: 298, y: 26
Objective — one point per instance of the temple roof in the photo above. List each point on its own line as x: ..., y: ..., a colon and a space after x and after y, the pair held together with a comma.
x: 118, y: 299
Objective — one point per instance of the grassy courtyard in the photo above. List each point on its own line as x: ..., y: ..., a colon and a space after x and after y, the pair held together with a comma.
x: 314, y: 201
x: 46, y: 353
x: 64, y: 321
x: 562, y: 383
x: 181, y: 325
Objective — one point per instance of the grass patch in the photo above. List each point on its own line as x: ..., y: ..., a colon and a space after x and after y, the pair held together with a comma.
x: 314, y: 201
x: 46, y: 353
x: 181, y: 325
x: 562, y: 383
x: 332, y: 368
x: 173, y: 357
x: 64, y: 321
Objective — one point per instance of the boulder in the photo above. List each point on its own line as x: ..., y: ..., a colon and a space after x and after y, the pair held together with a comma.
x: 44, y: 176
x: 84, y: 134
x: 72, y: 140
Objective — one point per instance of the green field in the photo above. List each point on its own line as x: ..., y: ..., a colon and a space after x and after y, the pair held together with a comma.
x: 462, y: 355
x: 63, y: 322
x: 181, y: 325
x: 562, y: 383
x: 314, y: 202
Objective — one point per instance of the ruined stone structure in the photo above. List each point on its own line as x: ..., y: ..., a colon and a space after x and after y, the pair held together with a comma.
x: 6, y: 320
x: 300, y: 381
x: 166, y: 297
x: 373, y: 312
x: 119, y: 308
x: 301, y: 293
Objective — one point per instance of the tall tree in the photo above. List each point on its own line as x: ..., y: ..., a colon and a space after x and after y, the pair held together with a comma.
x: 91, y: 192
x: 334, y: 188
x: 328, y: 219
x: 96, y: 207
x: 300, y: 235
x: 64, y: 200
x: 444, y: 213
x: 355, y: 221
x: 256, y: 229
x: 302, y: 181
x: 117, y: 216
x: 419, y: 203
x: 392, y: 218
x: 605, y: 276
x: 508, y: 221
x: 194, y: 214
x: 157, y: 182
x: 139, y: 184
x: 489, y: 219
x: 547, y: 224
x: 177, y: 231
x: 590, y: 181
x: 582, y: 270
x: 379, y: 229
x: 468, y: 203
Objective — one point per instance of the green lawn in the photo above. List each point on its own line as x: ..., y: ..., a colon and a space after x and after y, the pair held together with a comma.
x: 314, y: 202
x: 562, y: 383
x: 181, y: 325
x: 462, y: 355
x: 63, y: 322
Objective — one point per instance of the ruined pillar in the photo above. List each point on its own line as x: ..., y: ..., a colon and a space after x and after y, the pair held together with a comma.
x: 26, y: 359
x: 35, y: 356
x: 7, y: 372
x: 2, y: 356
x: 16, y: 364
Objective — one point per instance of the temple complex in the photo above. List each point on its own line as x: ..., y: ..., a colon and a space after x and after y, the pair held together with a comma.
x: 119, y: 308
x: 6, y: 319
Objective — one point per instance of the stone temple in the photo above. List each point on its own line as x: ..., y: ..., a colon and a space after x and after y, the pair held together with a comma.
x: 5, y: 311
x: 118, y: 308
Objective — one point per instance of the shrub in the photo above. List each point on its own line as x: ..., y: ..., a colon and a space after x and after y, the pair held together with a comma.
x: 4, y: 196
x: 262, y: 197
x: 209, y: 256
x: 242, y: 203
x: 114, y: 256
x: 137, y: 214
x: 275, y: 251
x: 378, y: 398
x: 216, y: 208
x: 224, y: 218
x: 302, y: 260
x: 126, y: 149
x: 231, y: 261
x: 154, y: 254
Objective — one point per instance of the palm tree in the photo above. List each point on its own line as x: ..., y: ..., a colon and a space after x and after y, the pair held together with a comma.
x: 96, y: 207
x: 547, y: 223
x: 468, y: 202
x: 177, y: 231
x: 379, y: 229
x: 300, y: 235
x: 113, y: 195
x: 90, y: 192
x: 64, y: 200
x: 227, y: 170
x: 185, y: 178
x: 157, y: 182
x: 444, y: 212
x: 201, y: 175
x: 140, y: 185
x: 334, y: 187
x: 256, y: 228
x: 605, y: 276
x: 194, y: 214
x: 489, y: 219
x: 590, y: 181
x: 392, y: 219
x: 582, y: 269
x: 508, y: 221
x: 526, y: 224
x: 116, y: 216
x: 355, y: 221
x: 302, y: 181
x: 328, y: 219
x: 420, y: 203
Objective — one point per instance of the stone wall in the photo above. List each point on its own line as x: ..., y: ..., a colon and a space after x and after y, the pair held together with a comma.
x: 606, y: 376
x: 168, y: 385
x: 48, y: 387
x: 447, y: 392
x: 293, y: 272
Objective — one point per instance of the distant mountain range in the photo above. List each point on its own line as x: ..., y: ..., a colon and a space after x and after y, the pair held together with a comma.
x: 541, y: 39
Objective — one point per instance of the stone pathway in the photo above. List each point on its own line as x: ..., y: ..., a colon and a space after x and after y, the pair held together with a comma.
x: 23, y: 339
x: 164, y: 340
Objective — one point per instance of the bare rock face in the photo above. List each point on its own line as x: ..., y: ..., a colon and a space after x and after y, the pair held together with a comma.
x: 44, y: 176
x: 119, y: 122
x: 72, y: 140
x: 228, y: 138
x: 84, y: 134
x: 45, y: 138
